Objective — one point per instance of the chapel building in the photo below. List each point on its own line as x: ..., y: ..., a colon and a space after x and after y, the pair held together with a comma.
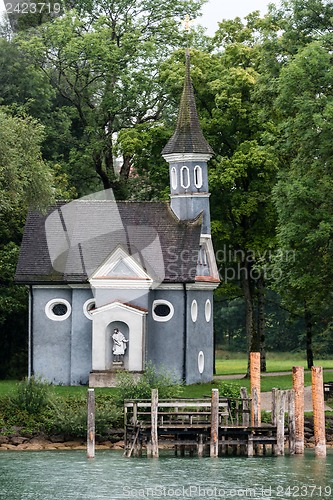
x: 147, y: 270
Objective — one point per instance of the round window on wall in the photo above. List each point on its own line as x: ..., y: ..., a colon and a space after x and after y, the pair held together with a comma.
x: 162, y: 310
x: 194, y: 311
x: 88, y: 306
x: 208, y: 310
x: 58, y: 309
x: 201, y: 362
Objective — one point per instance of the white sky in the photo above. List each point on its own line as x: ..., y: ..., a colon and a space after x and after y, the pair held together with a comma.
x: 216, y: 10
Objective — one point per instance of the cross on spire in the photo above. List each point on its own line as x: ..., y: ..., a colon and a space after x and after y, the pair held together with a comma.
x: 187, y: 21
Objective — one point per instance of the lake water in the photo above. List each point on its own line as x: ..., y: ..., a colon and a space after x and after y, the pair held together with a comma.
x: 68, y: 475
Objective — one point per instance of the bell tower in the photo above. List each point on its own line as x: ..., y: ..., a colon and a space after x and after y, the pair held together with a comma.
x: 187, y: 153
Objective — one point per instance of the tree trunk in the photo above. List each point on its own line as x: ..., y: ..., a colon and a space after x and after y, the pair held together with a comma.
x: 252, y: 338
x: 100, y: 170
x: 309, y: 334
x: 261, y: 322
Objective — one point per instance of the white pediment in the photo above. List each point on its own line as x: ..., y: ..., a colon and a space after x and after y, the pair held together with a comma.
x: 119, y: 306
x: 120, y: 267
x: 206, y: 266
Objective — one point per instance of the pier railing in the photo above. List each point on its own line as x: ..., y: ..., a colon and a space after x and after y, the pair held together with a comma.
x: 218, y: 423
x: 189, y: 413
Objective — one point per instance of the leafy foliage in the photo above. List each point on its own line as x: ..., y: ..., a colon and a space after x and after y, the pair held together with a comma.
x: 24, y: 176
x: 133, y: 387
x: 35, y: 408
x: 102, y: 60
x: 228, y: 390
x: 32, y: 395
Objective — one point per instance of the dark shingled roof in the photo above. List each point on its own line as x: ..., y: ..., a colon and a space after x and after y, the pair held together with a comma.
x: 84, y: 233
x: 188, y: 136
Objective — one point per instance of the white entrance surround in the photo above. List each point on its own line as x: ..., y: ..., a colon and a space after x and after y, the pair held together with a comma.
x: 135, y: 318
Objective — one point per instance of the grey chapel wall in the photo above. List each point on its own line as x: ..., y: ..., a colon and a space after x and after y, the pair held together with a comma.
x: 200, y: 338
x: 166, y: 340
x: 61, y: 349
x: 81, y: 336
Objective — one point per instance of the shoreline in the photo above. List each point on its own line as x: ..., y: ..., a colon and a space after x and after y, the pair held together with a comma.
x: 115, y: 441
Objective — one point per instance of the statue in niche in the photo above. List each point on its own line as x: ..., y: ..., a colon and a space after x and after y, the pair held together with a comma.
x: 119, y: 345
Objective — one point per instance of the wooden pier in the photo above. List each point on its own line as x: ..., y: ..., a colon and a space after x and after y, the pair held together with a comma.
x: 206, y: 426
x: 221, y: 426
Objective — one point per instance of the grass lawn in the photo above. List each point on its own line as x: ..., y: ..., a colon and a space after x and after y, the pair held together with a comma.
x: 276, y: 362
x: 193, y: 391
x: 8, y: 386
x: 228, y: 363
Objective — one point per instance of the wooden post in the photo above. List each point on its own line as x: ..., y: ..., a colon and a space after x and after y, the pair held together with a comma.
x: 250, y: 449
x: 255, y: 384
x: 291, y: 421
x: 298, y: 386
x: 245, y: 407
x: 255, y: 408
x: 318, y: 411
x: 154, y: 415
x: 274, y: 418
x: 214, y: 429
x: 274, y: 393
x: 280, y: 409
x: 200, y: 446
x: 91, y: 424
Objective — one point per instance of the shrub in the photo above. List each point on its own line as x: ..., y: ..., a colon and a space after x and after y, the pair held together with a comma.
x: 34, y: 408
x: 31, y: 396
x: 131, y: 387
x: 229, y: 390
x: 68, y: 416
x: 108, y: 415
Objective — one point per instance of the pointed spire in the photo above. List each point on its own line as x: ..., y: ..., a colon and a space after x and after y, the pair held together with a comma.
x: 188, y: 136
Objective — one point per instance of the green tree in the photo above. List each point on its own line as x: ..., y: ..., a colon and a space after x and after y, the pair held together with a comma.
x: 303, y: 194
x: 24, y: 180
x: 243, y: 171
x: 104, y: 65
x: 285, y: 116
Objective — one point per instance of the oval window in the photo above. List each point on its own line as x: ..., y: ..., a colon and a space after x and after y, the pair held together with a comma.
x: 194, y: 311
x: 201, y: 362
x: 185, y: 177
x: 88, y: 306
x: 173, y: 178
x: 162, y: 310
x: 198, y: 176
x: 58, y: 309
x: 208, y: 310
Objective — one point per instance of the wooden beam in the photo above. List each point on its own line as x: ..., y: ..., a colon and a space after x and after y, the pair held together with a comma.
x: 91, y: 424
x: 280, y: 409
x: 298, y: 386
x: 214, y: 429
x: 255, y: 384
x: 245, y: 407
x: 154, y: 414
x: 318, y: 411
x: 291, y: 422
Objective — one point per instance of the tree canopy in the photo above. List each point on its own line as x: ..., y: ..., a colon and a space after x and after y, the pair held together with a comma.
x: 89, y: 99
